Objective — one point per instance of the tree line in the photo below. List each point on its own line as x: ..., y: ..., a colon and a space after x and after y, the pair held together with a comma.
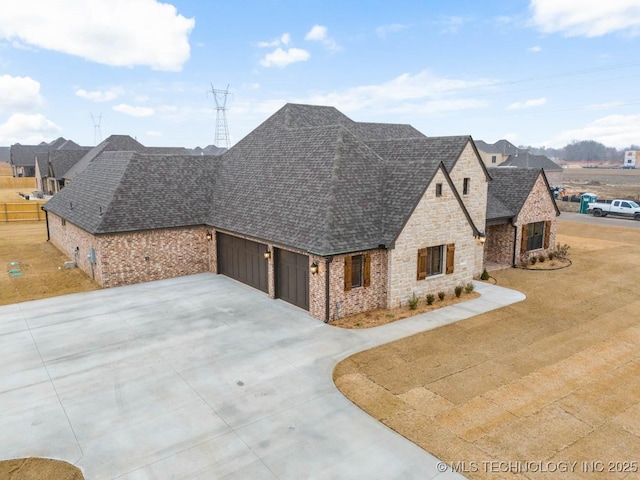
x: 584, y: 150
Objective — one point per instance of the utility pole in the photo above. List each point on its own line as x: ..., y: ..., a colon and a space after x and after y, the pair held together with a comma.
x: 222, y: 130
x: 97, y: 133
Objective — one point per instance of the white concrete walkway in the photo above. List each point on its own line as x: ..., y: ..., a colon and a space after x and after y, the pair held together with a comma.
x: 198, y: 377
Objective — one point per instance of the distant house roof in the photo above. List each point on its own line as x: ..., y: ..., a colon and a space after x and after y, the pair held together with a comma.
x: 509, y: 189
x: 527, y: 160
x: 208, y: 150
x: 5, y: 154
x: 24, y: 155
x: 504, y: 147
x: 309, y: 178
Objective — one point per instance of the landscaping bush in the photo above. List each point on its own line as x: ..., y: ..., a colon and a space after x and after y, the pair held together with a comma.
x: 413, y: 302
x: 458, y: 290
x: 551, y: 255
x: 541, y: 258
x: 533, y: 260
x: 485, y: 275
x: 562, y: 251
x: 431, y: 298
x: 441, y: 296
x: 469, y: 287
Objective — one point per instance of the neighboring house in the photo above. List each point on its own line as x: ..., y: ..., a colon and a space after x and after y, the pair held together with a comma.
x: 208, y: 150
x: 22, y: 158
x: 521, y: 216
x: 5, y: 154
x: 53, y: 165
x: 524, y: 159
x: 331, y: 215
x: 494, y: 154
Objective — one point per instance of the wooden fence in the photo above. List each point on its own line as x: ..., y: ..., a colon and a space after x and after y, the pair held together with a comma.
x: 28, y: 183
x: 21, y: 212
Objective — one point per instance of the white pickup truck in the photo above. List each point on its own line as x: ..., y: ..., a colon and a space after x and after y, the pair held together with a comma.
x: 620, y: 208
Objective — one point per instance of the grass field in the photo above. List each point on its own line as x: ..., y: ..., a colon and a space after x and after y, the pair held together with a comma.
x: 604, y: 183
x: 38, y: 262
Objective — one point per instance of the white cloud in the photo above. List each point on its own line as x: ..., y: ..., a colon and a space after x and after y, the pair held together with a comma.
x: 97, y: 95
x: 318, y: 33
x: 19, y: 94
x: 134, y: 111
x: 613, y: 130
x: 27, y: 129
x: 282, y: 58
x: 284, y: 39
x: 103, y: 31
x: 423, y: 92
x: 452, y: 24
x: 592, y: 18
x: 535, y: 49
x: 384, y: 30
x: 534, y: 102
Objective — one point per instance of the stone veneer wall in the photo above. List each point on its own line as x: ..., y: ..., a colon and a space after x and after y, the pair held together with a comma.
x: 499, y: 245
x: 435, y: 221
x: 538, y: 207
x: 356, y: 300
x: 470, y: 166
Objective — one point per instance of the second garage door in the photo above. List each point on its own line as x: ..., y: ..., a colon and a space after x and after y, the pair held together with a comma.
x: 243, y: 260
x: 292, y: 278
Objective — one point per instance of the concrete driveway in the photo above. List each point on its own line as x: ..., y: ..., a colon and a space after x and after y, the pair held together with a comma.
x: 198, y: 377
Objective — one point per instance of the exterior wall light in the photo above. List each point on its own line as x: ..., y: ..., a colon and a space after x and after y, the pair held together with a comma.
x: 314, y: 268
x: 267, y: 254
x: 209, y: 236
x: 481, y: 237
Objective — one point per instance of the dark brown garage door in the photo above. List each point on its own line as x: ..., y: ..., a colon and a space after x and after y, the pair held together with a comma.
x: 243, y: 260
x: 292, y: 278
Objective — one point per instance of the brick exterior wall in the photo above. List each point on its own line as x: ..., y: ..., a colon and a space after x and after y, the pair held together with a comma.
x: 499, y: 245
x: 470, y: 166
x: 356, y: 300
x: 67, y: 237
x: 127, y: 258
x: 538, y: 207
x: 435, y: 221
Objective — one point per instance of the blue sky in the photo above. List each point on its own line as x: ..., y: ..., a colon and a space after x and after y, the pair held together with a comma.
x: 539, y: 72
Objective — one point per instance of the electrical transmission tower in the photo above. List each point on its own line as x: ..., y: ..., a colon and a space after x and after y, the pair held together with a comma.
x: 97, y: 133
x: 222, y: 130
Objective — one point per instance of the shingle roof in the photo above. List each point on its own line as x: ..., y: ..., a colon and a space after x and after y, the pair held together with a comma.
x: 24, y: 155
x: 505, y: 147
x: 5, y: 154
x: 527, y: 160
x: 308, y: 178
x: 114, y: 143
x: 127, y: 191
x: 62, y: 160
x: 509, y: 189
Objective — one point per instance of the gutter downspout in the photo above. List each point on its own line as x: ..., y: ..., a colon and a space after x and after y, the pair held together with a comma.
x: 327, y: 276
x: 46, y: 219
x: 515, y: 246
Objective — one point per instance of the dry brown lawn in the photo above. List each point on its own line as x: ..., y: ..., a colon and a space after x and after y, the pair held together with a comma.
x: 39, y: 262
x: 38, y: 469
x: 553, y: 378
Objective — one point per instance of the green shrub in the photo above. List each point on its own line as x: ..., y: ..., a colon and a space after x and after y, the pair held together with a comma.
x: 551, y: 255
x: 431, y: 298
x: 469, y: 287
x: 441, y: 295
x: 533, y: 260
x: 458, y: 290
x: 413, y: 302
x: 485, y: 275
x: 541, y: 258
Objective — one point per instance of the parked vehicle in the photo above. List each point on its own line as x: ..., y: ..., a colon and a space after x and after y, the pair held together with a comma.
x: 619, y: 208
